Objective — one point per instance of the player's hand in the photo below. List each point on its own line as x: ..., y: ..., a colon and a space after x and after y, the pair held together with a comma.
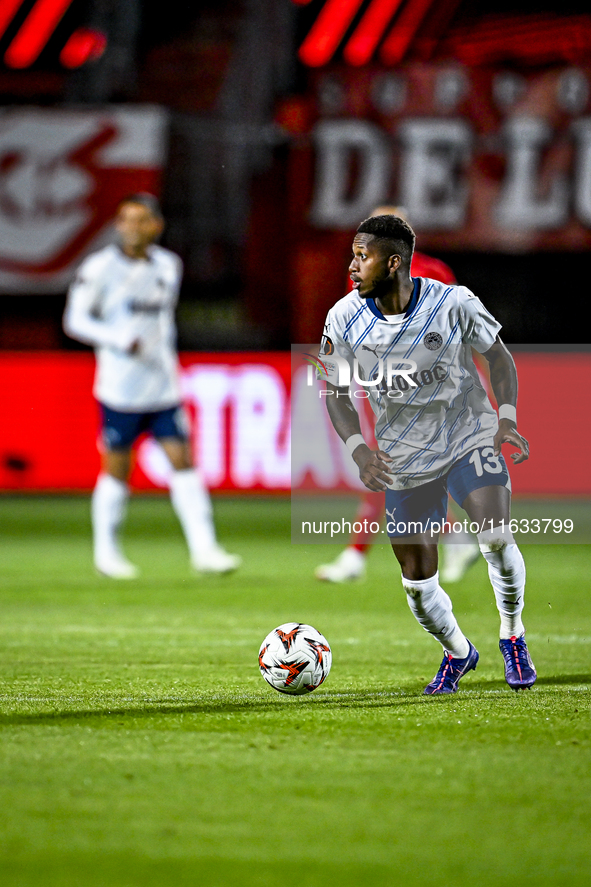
x: 135, y: 347
x: 508, y: 433
x: 373, y: 468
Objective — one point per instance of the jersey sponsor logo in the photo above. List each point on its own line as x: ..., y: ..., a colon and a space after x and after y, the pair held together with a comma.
x: 136, y: 306
x: 433, y: 341
x: 420, y: 379
x: 392, y: 376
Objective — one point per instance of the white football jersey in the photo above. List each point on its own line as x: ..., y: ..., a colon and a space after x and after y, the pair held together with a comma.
x: 116, y: 301
x: 418, y: 373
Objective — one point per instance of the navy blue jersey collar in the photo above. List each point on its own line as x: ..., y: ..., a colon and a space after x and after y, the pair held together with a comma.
x: 411, y: 305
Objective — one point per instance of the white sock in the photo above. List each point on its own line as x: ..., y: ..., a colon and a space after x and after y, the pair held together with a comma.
x: 432, y: 608
x: 108, y: 508
x: 506, y: 570
x: 191, y: 502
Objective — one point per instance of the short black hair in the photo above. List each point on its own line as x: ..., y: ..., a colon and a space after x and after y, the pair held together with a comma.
x: 144, y: 198
x: 396, y: 234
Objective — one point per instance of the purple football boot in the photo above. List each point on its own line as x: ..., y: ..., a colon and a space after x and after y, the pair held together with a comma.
x: 451, y: 670
x: 520, y: 672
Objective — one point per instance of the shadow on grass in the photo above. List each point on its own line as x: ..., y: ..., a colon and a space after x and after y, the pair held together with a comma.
x: 545, y: 680
x: 344, y: 700
x: 565, y: 679
x: 337, y: 701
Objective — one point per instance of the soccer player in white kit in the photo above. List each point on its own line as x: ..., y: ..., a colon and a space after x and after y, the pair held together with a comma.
x: 408, y: 342
x: 122, y: 302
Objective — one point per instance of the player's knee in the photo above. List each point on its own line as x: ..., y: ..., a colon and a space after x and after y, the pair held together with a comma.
x: 495, y: 540
x: 418, y: 562
x: 413, y: 591
x: 417, y: 570
x: 497, y: 545
x: 178, y: 453
x: 420, y: 591
x: 117, y: 463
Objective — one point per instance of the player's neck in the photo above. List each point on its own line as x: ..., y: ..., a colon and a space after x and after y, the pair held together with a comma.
x: 137, y: 253
x: 396, y: 300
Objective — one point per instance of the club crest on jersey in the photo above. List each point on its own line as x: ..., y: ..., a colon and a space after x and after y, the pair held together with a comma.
x: 433, y: 341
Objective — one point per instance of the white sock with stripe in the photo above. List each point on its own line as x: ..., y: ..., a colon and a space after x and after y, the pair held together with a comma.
x: 506, y: 570
x: 432, y: 609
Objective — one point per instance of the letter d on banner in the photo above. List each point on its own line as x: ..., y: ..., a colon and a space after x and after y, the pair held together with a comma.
x: 337, y: 141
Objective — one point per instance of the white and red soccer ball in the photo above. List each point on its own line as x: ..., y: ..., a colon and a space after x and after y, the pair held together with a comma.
x: 295, y: 658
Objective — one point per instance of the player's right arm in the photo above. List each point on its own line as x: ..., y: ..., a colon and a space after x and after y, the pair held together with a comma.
x: 372, y: 464
x: 83, y: 320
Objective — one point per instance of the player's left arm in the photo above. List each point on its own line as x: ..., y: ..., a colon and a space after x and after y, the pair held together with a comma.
x: 503, y: 380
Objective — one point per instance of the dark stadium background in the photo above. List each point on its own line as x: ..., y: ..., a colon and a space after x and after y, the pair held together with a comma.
x: 139, y: 744
x: 223, y: 69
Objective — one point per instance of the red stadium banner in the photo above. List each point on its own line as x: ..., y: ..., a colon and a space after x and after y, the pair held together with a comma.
x: 238, y: 407
x: 482, y: 158
x: 242, y: 408
x: 63, y: 172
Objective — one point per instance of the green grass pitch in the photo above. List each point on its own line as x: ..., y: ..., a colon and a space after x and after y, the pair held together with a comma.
x: 140, y: 745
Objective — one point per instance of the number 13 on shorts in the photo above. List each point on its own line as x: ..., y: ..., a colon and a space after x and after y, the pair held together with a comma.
x: 485, y: 460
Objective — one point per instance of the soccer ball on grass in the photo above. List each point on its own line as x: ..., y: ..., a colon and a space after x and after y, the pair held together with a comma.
x: 295, y: 658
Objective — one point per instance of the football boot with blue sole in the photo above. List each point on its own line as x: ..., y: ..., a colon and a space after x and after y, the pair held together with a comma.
x: 451, y: 670
x: 520, y: 672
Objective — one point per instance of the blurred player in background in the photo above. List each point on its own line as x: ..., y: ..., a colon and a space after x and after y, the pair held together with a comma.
x: 122, y: 302
x: 437, y: 432
x: 458, y: 555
